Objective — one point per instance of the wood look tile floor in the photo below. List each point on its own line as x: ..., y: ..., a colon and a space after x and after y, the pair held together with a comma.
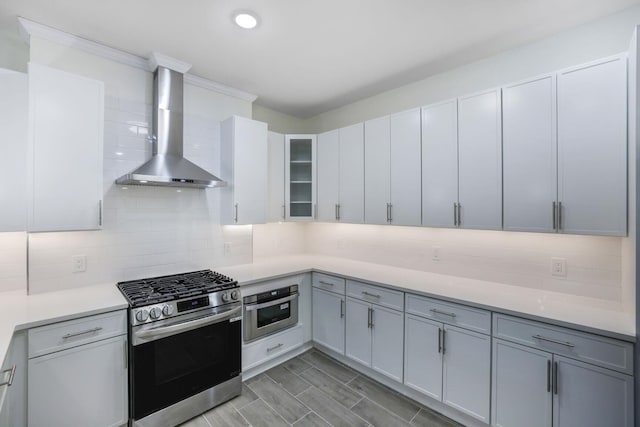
x: 315, y: 390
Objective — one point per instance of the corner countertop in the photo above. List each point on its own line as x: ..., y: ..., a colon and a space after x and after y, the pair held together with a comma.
x: 19, y: 311
x: 592, y: 315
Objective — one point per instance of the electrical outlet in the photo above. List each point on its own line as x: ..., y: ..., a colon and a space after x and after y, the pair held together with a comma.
x: 559, y: 267
x: 79, y: 263
x: 435, y: 253
x: 227, y: 248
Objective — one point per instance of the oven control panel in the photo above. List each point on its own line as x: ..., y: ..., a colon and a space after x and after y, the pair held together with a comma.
x: 164, y: 310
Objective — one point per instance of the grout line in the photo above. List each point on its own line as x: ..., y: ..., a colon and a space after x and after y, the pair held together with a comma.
x: 414, y: 417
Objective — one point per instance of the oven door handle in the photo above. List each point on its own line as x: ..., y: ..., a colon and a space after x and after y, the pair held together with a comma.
x: 253, y: 307
x: 187, y: 326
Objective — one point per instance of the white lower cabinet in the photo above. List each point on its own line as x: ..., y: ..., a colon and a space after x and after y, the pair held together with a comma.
x: 328, y: 319
x: 374, y: 337
x: 84, y: 385
x: 13, y: 383
x: 78, y: 371
x: 537, y: 388
x: 449, y: 364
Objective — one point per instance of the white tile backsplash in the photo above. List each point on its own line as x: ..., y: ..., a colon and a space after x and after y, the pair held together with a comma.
x: 518, y: 259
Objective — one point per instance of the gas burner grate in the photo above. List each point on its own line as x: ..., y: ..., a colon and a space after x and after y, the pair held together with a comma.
x: 175, y: 286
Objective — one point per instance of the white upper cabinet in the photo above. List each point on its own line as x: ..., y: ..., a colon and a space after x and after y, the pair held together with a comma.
x: 529, y: 150
x: 480, y: 161
x: 275, y: 202
x: 377, y: 171
x: 405, y: 203
x: 341, y: 175
x: 440, y: 164
x: 64, y: 171
x: 244, y: 166
x: 592, y: 147
x: 300, y: 177
x: 351, y: 196
x: 14, y: 110
x: 328, y: 175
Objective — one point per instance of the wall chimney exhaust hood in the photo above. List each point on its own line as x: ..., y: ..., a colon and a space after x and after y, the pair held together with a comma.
x: 168, y: 167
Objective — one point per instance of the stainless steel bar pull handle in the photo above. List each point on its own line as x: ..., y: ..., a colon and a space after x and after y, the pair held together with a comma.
x: 100, y: 213
x: 455, y: 214
x: 446, y: 313
x: 372, y: 324
x: 388, y: 213
x: 548, y: 376
x: 368, y: 294
x: 12, y: 373
x: 551, y: 340
x: 275, y: 347
x: 284, y: 211
x: 555, y: 377
x: 439, y: 340
x: 338, y: 211
x: 459, y: 215
x: 235, y: 214
x: 559, y: 216
x: 88, y: 331
x: 553, y: 215
x: 124, y: 352
x: 322, y: 282
x: 341, y: 308
x: 369, y: 318
x: 444, y: 337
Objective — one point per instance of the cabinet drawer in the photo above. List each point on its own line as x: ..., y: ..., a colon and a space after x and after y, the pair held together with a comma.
x: 329, y: 283
x: 602, y: 351
x: 376, y: 294
x: 63, y: 335
x: 474, y: 319
x: 267, y: 348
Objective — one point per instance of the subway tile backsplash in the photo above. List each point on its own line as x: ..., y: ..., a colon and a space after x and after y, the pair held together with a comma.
x: 147, y: 231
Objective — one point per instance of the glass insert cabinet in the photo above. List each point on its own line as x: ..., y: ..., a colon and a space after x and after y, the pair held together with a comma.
x: 300, y: 173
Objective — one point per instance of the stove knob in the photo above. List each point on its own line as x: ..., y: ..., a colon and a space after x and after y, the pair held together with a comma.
x: 234, y: 295
x: 142, y: 315
x: 225, y: 297
x: 155, y: 313
x: 167, y: 310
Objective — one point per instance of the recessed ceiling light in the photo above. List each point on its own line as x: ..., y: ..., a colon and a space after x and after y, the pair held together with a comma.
x: 246, y: 19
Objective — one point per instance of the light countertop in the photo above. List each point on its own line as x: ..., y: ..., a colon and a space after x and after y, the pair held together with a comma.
x: 19, y: 311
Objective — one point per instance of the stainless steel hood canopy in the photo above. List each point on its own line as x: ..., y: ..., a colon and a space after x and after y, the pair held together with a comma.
x: 168, y: 167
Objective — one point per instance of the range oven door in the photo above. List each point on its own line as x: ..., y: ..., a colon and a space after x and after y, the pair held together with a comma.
x: 171, y: 362
x: 270, y: 312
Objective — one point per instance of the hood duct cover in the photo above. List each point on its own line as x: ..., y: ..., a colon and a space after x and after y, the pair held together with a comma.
x: 167, y: 167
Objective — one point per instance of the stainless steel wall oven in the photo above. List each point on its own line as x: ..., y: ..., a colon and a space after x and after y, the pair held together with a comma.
x: 269, y: 312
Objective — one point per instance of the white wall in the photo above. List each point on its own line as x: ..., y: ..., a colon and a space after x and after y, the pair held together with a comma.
x: 147, y: 230
x: 604, y: 37
x: 279, y: 122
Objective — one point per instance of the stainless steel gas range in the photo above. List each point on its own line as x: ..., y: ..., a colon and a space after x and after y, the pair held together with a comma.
x: 185, y: 345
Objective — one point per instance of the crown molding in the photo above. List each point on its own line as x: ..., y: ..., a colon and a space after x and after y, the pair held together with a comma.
x: 159, y: 60
x: 219, y: 87
x: 27, y: 28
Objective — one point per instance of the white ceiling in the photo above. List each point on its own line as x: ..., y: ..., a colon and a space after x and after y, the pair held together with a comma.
x: 308, y: 56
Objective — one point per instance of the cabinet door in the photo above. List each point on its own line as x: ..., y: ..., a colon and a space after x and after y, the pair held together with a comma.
x: 590, y: 396
x: 406, y: 189
x: 439, y: 164
x: 480, y: 161
x: 529, y: 150
x: 66, y: 119
x: 328, y: 175
x: 387, y: 341
x: 521, y: 393
x: 358, y: 332
x: 328, y: 319
x: 351, y: 200
x: 592, y: 147
x: 245, y: 150
x: 275, y: 203
x: 466, y: 371
x: 14, y: 111
x: 85, y: 385
x: 423, y: 355
x: 377, y: 170
x: 300, y: 177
